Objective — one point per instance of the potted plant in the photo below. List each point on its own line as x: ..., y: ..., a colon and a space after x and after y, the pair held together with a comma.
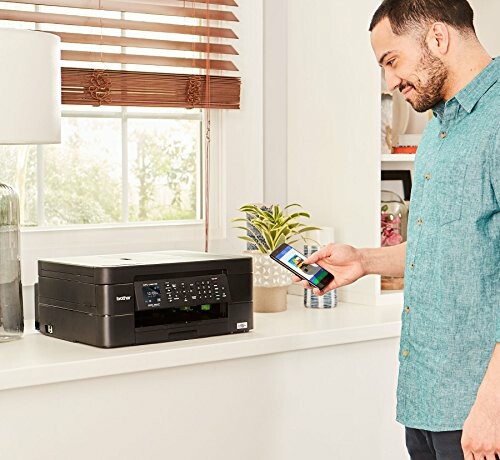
x: 267, y: 227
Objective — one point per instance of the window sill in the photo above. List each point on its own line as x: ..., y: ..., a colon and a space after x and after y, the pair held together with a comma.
x: 39, y: 360
x: 113, y: 226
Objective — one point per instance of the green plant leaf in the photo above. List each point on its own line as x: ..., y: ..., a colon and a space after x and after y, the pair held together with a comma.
x: 254, y: 237
x: 306, y: 229
x: 280, y: 240
x: 259, y: 246
x: 272, y: 227
x: 269, y: 241
x: 291, y: 206
x: 298, y: 214
x: 251, y: 209
x: 276, y: 212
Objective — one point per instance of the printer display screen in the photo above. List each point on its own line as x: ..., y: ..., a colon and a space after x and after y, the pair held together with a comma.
x: 182, y: 292
x: 152, y: 294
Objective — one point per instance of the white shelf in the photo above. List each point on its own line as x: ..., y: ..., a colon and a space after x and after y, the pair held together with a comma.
x: 39, y: 360
x: 405, y: 157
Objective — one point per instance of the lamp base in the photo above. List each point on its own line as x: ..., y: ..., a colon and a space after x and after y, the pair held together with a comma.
x: 9, y: 338
x: 11, y: 297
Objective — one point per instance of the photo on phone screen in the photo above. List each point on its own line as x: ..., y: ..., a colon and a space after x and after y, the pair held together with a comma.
x: 292, y: 259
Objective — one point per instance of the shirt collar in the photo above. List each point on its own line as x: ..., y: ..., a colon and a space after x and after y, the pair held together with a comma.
x: 470, y: 95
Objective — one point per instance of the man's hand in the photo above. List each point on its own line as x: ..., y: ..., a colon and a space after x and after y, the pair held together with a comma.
x: 344, y: 262
x: 481, y: 431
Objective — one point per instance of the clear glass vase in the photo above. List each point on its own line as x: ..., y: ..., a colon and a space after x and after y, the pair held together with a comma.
x: 393, y: 229
x: 11, y: 301
x: 394, y: 219
x: 311, y: 300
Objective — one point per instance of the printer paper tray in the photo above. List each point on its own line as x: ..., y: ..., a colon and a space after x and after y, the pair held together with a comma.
x: 171, y: 332
x: 116, y: 331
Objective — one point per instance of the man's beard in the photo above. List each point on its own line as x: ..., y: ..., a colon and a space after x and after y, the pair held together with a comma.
x: 427, y: 94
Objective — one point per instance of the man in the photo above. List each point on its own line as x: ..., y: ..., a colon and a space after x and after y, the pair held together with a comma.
x: 449, y: 379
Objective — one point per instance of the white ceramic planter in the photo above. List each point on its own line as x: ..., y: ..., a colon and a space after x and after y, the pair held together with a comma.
x: 270, y: 283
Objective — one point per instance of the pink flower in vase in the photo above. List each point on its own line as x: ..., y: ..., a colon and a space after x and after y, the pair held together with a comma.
x: 390, y: 230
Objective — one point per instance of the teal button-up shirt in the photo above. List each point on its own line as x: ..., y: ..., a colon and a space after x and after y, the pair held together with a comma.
x: 451, y: 315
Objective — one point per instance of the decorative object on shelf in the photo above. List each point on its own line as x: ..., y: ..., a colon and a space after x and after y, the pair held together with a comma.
x: 404, y: 149
x: 270, y: 284
x: 400, y: 116
x: 393, y: 228
x: 407, y: 143
x: 395, y: 115
x: 318, y: 239
x: 386, y: 122
x: 30, y: 113
x: 397, y: 181
x: 266, y: 227
x: 11, y: 297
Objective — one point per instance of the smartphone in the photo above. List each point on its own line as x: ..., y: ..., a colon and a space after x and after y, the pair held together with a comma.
x: 293, y: 260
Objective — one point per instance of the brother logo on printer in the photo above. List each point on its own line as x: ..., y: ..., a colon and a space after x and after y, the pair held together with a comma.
x: 123, y: 297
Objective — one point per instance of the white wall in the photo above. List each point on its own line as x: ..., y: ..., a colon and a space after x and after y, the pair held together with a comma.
x: 333, y: 121
x: 275, y: 101
x: 486, y: 14
x: 333, y: 87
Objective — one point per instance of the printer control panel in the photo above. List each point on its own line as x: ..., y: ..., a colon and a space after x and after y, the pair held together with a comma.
x: 181, y: 292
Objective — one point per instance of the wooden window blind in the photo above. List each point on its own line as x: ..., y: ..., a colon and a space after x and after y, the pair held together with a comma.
x: 150, y: 53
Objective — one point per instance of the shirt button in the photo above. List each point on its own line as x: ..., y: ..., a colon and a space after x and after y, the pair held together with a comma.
x: 405, y: 353
x: 412, y: 265
x: 419, y: 221
x: 407, y: 309
x: 427, y: 176
x: 443, y: 135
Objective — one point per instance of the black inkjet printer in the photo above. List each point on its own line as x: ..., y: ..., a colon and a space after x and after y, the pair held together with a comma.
x: 130, y: 299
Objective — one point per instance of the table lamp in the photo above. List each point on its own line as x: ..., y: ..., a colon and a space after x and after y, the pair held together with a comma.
x: 30, y: 113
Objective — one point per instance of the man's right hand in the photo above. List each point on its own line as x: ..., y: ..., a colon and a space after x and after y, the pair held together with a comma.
x: 344, y: 262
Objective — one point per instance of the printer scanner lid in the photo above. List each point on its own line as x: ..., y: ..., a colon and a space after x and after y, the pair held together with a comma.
x: 125, y: 267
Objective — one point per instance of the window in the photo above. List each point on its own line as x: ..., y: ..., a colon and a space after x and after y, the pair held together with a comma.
x: 114, y: 165
x: 122, y: 163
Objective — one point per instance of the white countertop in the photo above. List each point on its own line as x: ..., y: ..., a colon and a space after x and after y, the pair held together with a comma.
x: 37, y: 359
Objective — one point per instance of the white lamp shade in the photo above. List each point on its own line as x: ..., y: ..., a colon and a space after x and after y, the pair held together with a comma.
x: 30, y: 87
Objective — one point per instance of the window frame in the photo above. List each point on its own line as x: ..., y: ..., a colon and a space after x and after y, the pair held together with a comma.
x: 124, y: 115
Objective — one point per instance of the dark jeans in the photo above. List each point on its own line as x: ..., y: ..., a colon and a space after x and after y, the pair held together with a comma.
x: 430, y: 445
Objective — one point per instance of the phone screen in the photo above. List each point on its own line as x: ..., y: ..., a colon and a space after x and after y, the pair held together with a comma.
x: 294, y: 260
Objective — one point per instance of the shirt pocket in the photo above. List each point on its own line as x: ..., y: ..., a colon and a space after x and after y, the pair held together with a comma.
x: 451, y: 193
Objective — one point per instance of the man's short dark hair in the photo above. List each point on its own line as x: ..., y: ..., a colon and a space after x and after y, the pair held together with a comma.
x: 407, y: 15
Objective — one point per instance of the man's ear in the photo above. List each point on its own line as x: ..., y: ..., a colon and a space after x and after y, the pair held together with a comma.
x: 438, y: 38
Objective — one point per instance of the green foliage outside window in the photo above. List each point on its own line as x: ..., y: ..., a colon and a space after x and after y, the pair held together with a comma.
x: 82, y: 178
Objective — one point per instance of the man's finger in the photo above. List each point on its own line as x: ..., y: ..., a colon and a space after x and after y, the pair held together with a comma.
x: 313, y: 258
x: 321, y: 254
x: 305, y: 284
x: 468, y: 455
